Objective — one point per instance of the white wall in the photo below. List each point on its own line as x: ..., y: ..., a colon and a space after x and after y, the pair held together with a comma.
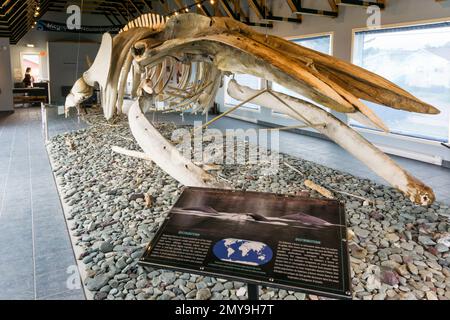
x: 40, y: 39
x: 67, y: 63
x: 6, y: 96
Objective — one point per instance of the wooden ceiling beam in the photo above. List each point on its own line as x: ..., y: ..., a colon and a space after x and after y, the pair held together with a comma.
x: 294, y: 9
x: 227, y: 8
x: 361, y: 3
x: 203, y: 10
x: 165, y: 6
x: 179, y: 4
x: 216, y: 9
x: 333, y: 5
x: 135, y: 7
x: 257, y: 8
x: 299, y: 9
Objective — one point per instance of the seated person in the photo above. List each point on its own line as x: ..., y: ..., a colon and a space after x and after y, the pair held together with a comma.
x: 28, y: 81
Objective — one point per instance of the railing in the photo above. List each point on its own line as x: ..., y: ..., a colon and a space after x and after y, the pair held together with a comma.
x: 44, y: 118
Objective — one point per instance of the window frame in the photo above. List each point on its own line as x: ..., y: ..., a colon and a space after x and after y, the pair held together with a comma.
x: 393, y: 26
x: 386, y: 27
x: 315, y: 35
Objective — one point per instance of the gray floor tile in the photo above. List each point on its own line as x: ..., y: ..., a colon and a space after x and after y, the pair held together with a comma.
x: 55, y: 261
x: 17, y: 248
x: 17, y: 289
x: 47, y: 244
x: 16, y: 269
x: 75, y: 295
x: 33, y: 235
x: 50, y: 229
x: 51, y: 283
x: 49, y: 222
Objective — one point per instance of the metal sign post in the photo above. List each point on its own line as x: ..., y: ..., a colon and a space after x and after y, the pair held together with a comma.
x: 253, y: 292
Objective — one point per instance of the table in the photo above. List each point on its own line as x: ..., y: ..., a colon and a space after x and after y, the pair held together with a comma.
x: 30, y: 95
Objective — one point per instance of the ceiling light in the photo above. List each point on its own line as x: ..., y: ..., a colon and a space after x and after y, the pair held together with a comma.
x: 30, y: 45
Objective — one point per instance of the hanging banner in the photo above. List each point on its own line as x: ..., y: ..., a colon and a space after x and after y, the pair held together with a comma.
x: 44, y: 25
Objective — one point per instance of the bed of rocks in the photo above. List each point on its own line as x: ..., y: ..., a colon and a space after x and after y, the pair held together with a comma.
x: 117, y: 203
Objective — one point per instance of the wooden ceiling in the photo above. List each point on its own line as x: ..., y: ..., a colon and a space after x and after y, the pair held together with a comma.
x: 17, y: 17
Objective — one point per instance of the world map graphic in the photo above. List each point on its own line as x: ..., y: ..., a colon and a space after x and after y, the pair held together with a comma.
x: 240, y: 251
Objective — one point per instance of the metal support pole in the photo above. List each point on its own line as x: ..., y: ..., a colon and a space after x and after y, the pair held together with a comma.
x: 253, y: 292
x: 44, y: 118
x: 78, y: 115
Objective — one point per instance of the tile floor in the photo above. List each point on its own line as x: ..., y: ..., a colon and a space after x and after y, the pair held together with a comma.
x: 35, y: 249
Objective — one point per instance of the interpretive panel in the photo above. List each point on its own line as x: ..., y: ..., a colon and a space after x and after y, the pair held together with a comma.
x: 268, y: 239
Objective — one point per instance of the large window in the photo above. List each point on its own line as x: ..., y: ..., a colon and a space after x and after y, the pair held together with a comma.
x: 32, y: 61
x: 417, y: 58
x: 322, y: 44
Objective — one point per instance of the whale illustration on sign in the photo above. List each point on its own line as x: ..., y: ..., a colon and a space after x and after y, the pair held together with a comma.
x: 240, y: 251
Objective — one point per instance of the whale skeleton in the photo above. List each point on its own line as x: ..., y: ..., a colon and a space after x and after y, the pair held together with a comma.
x: 198, y: 51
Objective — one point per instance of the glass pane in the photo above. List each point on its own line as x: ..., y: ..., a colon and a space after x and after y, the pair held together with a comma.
x: 246, y: 80
x: 418, y: 60
x: 321, y: 44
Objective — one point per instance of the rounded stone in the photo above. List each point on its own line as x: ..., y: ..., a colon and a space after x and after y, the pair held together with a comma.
x: 203, y: 294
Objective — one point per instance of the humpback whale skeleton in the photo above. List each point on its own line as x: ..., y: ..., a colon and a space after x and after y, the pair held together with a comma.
x: 199, y: 51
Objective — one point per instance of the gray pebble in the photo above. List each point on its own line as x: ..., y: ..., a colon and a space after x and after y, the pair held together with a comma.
x: 203, y: 294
